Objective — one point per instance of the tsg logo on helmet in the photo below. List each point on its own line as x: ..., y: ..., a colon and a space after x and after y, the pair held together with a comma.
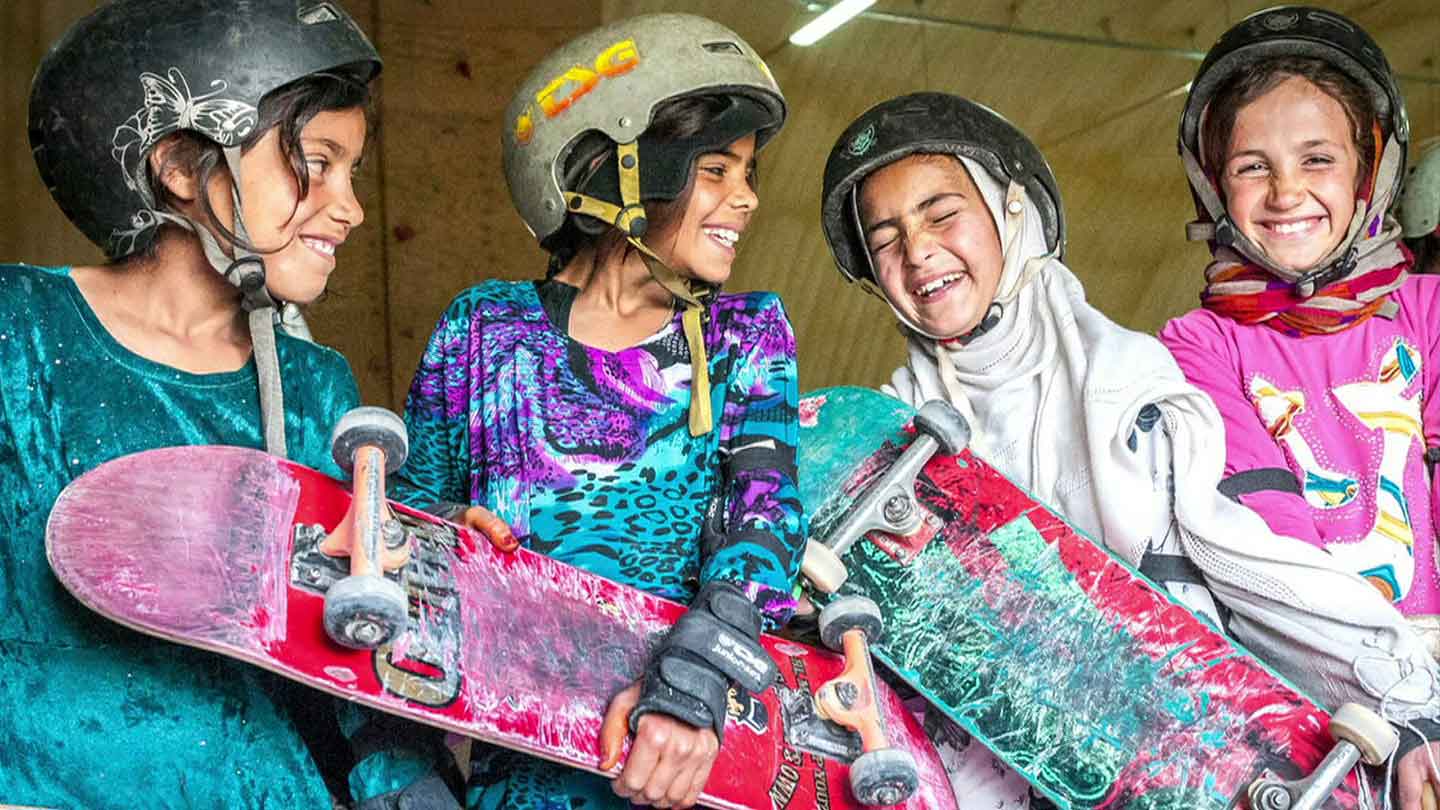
x: 616, y: 60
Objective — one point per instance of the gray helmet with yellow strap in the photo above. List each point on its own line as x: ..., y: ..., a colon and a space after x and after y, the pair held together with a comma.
x: 609, y: 81
x: 574, y: 145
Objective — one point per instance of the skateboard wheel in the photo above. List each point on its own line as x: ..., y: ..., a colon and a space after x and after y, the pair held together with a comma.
x: 374, y: 426
x: 1366, y: 730
x: 364, y: 612
x: 884, y: 777
x: 823, y: 567
x: 940, y: 421
x: 850, y: 613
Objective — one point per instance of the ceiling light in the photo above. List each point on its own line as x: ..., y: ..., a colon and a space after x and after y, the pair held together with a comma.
x: 835, y: 17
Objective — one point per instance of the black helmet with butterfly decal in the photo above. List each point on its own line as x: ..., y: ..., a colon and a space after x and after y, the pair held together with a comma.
x: 135, y: 71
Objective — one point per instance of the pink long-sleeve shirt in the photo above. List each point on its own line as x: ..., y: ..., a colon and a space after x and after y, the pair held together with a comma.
x: 1348, y: 416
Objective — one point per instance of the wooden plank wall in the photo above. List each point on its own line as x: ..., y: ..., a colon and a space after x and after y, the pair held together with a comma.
x: 1098, y: 85
x: 446, y: 220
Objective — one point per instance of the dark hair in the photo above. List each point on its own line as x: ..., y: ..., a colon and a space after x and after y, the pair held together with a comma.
x: 1244, y: 86
x: 289, y: 109
x: 685, y: 117
x: 674, y: 119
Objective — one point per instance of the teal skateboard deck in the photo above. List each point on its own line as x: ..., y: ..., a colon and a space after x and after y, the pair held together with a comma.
x: 1060, y: 658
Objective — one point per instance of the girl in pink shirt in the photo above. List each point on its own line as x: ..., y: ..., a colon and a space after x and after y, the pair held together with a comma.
x: 1314, y: 340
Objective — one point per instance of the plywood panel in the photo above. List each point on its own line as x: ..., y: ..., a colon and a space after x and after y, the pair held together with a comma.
x: 32, y: 229
x: 1128, y: 202
x: 765, y: 24
x: 354, y: 313
x: 844, y: 335
x: 1154, y: 25
x: 1160, y: 24
x: 452, y: 66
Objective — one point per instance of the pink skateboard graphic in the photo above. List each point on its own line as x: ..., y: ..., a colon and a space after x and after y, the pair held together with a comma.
x: 221, y: 548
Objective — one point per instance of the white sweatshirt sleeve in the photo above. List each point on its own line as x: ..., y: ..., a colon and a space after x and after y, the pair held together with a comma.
x: 1323, y: 627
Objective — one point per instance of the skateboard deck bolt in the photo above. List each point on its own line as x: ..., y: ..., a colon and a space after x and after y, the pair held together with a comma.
x: 898, y: 508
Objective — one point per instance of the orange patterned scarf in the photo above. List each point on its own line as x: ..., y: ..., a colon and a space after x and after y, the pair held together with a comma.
x: 1247, y: 293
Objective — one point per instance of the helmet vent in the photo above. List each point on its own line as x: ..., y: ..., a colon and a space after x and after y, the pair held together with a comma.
x: 316, y: 13
x: 723, y: 47
x: 1332, y: 20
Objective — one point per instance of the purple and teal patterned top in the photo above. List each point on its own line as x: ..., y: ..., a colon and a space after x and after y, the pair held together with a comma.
x: 587, y: 453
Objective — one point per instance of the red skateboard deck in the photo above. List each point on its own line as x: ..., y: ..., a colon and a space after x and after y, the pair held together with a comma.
x: 215, y: 547
x: 1074, y: 669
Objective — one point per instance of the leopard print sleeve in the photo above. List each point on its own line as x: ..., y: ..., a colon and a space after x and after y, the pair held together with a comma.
x: 437, y: 410
x: 757, y: 528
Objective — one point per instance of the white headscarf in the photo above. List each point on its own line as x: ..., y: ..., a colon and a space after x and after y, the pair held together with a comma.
x: 1022, y: 383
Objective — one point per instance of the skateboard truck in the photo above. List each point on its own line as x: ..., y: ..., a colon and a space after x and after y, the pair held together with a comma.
x: 365, y: 610
x: 1360, y: 736
x: 890, y: 504
x: 882, y: 775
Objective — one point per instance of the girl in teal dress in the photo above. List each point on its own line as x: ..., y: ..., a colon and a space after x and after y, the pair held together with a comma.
x: 150, y: 122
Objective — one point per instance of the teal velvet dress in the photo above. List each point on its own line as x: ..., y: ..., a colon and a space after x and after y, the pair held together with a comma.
x: 93, y: 715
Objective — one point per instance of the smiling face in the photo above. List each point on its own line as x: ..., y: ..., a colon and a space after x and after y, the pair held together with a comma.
x: 700, y: 241
x: 298, y: 236
x: 1290, y: 173
x: 933, y: 243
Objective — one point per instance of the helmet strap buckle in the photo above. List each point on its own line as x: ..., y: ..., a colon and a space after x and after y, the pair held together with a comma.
x: 1199, y: 231
x: 631, y: 220
x: 1312, y: 282
x: 1224, y: 233
x: 992, y: 319
x: 248, y: 273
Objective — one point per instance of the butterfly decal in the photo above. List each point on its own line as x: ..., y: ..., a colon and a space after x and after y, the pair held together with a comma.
x: 124, y: 241
x: 170, y: 106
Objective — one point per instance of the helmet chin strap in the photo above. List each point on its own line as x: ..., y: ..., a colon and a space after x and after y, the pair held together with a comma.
x: 246, y: 270
x: 1337, y: 264
x: 629, y: 219
x: 249, y: 270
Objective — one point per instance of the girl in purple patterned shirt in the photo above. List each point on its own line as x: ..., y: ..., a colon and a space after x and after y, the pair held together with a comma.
x: 623, y: 415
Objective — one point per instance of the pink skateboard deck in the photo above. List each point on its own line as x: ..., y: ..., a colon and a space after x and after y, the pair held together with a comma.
x: 215, y: 547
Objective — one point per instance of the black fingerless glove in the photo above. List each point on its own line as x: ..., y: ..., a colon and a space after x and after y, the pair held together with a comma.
x: 714, y: 646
